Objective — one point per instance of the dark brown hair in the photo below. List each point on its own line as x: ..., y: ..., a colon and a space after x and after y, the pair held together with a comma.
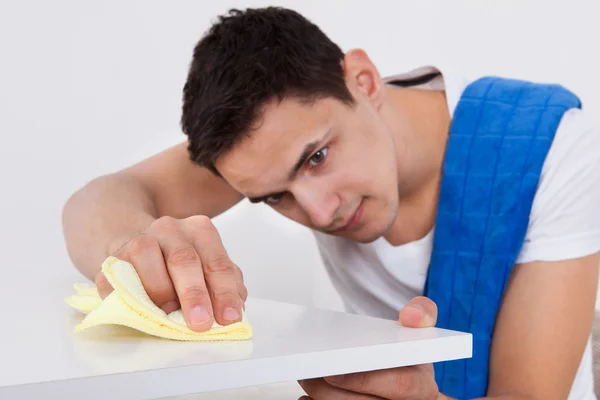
x: 246, y: 59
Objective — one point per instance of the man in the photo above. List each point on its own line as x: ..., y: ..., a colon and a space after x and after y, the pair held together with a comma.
x: 506, y: 172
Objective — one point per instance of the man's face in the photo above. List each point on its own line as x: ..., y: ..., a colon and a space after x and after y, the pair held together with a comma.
x: 326, y: 165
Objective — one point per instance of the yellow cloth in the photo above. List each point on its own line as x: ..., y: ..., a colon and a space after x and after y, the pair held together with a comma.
x: 129, y: 305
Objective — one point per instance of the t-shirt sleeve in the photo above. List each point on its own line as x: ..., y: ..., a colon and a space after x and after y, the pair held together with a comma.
x: 565, y: 217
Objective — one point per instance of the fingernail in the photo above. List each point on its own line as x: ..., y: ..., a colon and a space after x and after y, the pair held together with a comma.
x: 198, y: 315
x: 230, y: 314
x: 427, y: 319
x: 418, y: 307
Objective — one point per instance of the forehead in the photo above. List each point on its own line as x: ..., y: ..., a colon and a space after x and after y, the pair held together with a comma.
x: 264, y: 158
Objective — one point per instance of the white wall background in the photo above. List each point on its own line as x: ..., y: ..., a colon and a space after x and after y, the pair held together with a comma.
x: 89, y: 87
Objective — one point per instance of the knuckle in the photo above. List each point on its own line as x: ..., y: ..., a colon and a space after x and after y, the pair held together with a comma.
x: 239, y: 272
x: 220, y: 264
x: 142, y: 243
x: 242, y: 289
x: 165, y: 222
x: 200, y: 225
x: 193, y: 294
x: 243, y: 292
x: 361, y: 382
x: 200, y: 222
x: 182, y: 257
x: 224, y: 295
x: 402, y: 383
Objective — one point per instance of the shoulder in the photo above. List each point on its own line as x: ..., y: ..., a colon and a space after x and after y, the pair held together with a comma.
x: 565, y: 218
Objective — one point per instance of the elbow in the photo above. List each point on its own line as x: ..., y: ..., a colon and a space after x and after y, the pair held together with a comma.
x: 74, y: 215
x: 72, y: 205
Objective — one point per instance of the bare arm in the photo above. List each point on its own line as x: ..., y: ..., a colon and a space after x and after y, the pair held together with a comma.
x: 107, y: 212
x: 541, y: 334
x: 542, y: 329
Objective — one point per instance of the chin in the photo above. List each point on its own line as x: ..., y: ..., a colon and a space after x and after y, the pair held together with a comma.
x: 368, y: 233
x: 365, y: 239
x: 371, y: 235
x: 374, y: 231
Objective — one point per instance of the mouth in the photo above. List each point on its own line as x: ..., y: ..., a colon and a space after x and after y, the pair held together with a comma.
x: 354, y: 219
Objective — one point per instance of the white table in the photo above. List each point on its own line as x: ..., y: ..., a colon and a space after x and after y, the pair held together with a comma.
x: 42, y: 358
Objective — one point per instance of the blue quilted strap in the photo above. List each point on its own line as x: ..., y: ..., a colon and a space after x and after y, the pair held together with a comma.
x: 499, y: 138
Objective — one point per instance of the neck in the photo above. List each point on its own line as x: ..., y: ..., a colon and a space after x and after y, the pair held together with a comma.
x: 420, y: 122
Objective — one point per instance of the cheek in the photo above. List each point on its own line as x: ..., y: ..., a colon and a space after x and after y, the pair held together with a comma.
x: 361, y: 173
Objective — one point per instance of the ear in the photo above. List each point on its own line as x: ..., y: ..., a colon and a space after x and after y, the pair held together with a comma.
x: 362, y: 76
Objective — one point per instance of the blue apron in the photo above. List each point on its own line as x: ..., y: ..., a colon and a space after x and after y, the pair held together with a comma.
x: 500, y: 135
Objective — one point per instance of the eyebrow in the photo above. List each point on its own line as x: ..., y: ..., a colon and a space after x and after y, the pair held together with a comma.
x: 309, y: 148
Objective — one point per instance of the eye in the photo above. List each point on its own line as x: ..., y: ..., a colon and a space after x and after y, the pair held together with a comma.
x: 274, y: 199
x: 318, y: 157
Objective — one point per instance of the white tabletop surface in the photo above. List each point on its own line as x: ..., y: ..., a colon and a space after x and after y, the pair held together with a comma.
x: 275, y: 391
x: 43, y: 358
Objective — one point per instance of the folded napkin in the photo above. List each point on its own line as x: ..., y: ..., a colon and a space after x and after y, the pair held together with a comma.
x: 129, y: 305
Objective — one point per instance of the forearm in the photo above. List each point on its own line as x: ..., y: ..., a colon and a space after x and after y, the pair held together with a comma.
x: 102, y: 216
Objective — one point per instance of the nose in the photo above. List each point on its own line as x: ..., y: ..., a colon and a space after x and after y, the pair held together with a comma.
x: 319, y: 204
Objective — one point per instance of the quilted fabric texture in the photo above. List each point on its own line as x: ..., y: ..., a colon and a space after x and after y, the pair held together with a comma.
x: 129, y: 305
x: 500, y: 134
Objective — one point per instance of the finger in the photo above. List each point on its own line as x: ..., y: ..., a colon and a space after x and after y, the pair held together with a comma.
x: 242, y: 290
x: 102, y: 285
x: 185, y: 269
x: 145, y: 254
x: 318, y: 389
x: 420, y: 312
x: 406, y: 383
x: 219, y: 271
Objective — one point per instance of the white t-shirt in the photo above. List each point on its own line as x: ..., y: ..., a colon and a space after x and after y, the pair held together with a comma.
x: 378, y: 279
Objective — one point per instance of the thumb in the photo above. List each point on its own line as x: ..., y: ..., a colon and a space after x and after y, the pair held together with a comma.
x: 420, y: 312
x: 102, y: 285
